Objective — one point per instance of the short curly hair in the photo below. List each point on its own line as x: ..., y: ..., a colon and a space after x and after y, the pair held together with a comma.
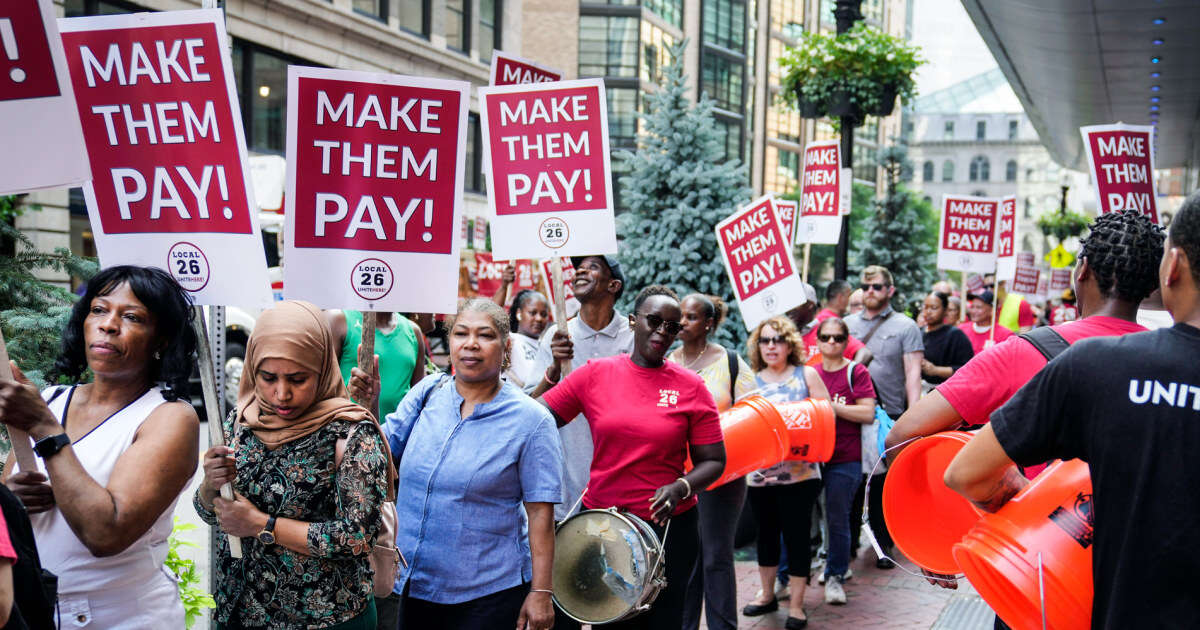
x: 786, y: 329
x: 652, y: 290
x: 1185, y: 233
x: 1123, y: 250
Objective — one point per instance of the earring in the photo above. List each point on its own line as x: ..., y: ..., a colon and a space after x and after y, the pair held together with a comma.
x: 157, y: 354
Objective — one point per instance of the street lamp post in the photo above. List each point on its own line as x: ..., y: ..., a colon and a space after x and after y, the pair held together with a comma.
x: 1064, y: 182
x: 845, y: 14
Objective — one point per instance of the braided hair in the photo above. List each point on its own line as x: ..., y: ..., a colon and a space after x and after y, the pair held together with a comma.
x: 652, y: 290
x: 1123, y: 251
x: 1185, y: 233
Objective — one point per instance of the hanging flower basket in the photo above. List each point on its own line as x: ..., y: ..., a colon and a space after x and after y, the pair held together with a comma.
x: 841, y: 103
x: 810, y: 108
x: 887, y: 100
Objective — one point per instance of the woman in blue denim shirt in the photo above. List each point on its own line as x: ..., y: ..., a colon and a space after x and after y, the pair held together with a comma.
x: 471, y: 451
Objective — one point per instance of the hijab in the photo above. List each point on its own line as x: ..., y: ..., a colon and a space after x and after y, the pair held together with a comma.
x: 296, y: 331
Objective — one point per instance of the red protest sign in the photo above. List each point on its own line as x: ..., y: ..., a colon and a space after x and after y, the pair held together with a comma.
x: 376, y: 165
x: 548, y: 168
x: 974, y: 283
x: 510, y: 70
x: 159, y: 123
x: 480, y: 236
x: 1026, y: 280
x: 26, y: 68
x: 568, y: 285
x: 1026, y: 259
x: 489, y: 272
x: 1122, y: 163
x: 967, y: 240
x: 787, y: 209
x: 759, y: 261
x: 822, y: 193
x: 1006, y: 234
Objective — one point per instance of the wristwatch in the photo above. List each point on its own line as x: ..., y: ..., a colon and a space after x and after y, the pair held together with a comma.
x: 50, y: 446
x: 267, y: 535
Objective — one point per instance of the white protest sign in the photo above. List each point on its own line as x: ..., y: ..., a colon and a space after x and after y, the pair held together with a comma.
x: 548, y: 173
x: 824, y: 194
x: 967, y: 238
x: 171, y: 185
x: 1006, y: 236
x: 374, y: 189
x: 38, y: 120
x: 1025, y: 280
x: 759, y: 262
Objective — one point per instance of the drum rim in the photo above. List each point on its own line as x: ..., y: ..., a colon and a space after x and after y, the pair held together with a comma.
x: 651, y: 584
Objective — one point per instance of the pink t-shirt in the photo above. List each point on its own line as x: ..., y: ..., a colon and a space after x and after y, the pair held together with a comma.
x: 847, y: 445
x: 979, y: 340
x: 987, y: 381
x: 642, y: 421
x: 6, y: 549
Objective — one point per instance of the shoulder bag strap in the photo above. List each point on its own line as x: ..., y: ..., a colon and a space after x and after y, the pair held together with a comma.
x: 732, y: 357
x: 339, y: 448
x: 1047, y: 341
x: 871, y: 333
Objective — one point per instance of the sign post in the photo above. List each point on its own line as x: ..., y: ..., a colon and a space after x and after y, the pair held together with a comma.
x: 759, y: 262
x: 1121, y: 158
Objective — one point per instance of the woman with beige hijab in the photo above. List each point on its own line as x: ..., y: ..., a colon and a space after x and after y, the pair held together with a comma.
x: 306, y: 524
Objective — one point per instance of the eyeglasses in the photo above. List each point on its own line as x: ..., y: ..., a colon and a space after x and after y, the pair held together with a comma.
x: 655, y: 322
x: 873, y: 285
x: 989, y: 286
x: 832, y: 338
x: 769, y: 341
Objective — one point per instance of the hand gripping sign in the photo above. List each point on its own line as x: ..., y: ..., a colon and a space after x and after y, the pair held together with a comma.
x: 967, y: 240
x: 512, y: 70
x: 548, y: 174
x: 759, y: 262
x: 374, y: 189
x: 38, y: 119
x: 1122, y: 162
x: 825, y: 194
x: 1006, y: 234
x: 170, y: 188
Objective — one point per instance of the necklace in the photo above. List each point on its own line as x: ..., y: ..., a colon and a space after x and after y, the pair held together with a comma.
x: 688, y: 365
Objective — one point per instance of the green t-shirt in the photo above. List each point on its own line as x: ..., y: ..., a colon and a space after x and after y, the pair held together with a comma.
x: 397, y: 352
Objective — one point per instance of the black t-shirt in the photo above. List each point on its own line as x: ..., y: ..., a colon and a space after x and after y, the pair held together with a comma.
x: 1130, y: 407
x: 947, y: 346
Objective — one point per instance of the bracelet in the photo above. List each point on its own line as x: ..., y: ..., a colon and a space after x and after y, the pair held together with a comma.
x: 546, y: 376
x: 686, y: 485
x: 541, y: 590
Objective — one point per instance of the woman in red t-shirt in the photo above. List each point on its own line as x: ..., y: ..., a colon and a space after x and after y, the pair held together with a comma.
x: 853, y: 399
x: 646, y: 416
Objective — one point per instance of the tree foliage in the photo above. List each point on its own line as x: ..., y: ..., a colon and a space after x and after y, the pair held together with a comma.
x: 899, y: 233
x: 678, y: 188
x: 33, y: 312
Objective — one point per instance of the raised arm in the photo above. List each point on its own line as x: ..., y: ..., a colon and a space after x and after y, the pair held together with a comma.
x: 983, y: 473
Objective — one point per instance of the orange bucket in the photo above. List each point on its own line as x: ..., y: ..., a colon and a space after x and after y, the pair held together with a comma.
x: 924, y: 517
x: 755, y: 437
x: 1053, y: 516
x: 810, y: 426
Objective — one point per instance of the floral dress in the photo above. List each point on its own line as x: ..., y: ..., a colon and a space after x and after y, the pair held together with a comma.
x: 272, y: 586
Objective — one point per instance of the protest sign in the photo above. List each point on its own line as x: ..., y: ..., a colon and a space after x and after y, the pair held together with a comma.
x: 1043, y: 284
x: 967, y: 239
x: 489, y: 272
x: 1026, y: 259
x: 375, y: 188
x: 1025, y: 280
x: 1122, y: 161
x: 1006, y: 236
x: 787, y: 209
x: 38, y: 118
x: 479, y: 239
x: 974, y: 283
x: 512, y: 70
x: 548, y: 173
x: 759, y: 262
x: 171, y: 188
x: 824, y: 194
x: 568, y: 284
x: 1060, y: 280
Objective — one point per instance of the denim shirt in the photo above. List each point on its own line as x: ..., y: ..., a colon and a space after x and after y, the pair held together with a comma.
x: 463, y: 481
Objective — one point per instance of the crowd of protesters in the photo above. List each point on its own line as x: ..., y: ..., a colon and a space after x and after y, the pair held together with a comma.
x: 534, y: 421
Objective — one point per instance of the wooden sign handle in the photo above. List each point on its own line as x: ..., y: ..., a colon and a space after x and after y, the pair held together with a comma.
x: 560, y: 306
x: 18, y: 438
x: 208, y: 385
x: 366, y: 359
x: 804, y: 269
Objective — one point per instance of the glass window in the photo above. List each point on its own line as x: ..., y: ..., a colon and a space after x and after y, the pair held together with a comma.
x: 721, y: 79
x: 866, y: 161
x: 981, y: 130
x: 669, y: 10
x: 948, y: 133
x: 622, y: 117
x: 947, y: 171
x: 1012, y: 129
x: 782, y: 170
x: 1010, y: 171
x: 474, y: 180
x: 783, y: 123
x: 414, y: 16
x: 268, y: 107
x: 725, y: 24
x: 1028, y: 208
x: 377, y: 9
x: 730, y: 134
x: 656, y: 52
x: 787, y: 17
x: 489, y: 28
x: 927, y: 172
x: 979, y: 169
x: 608, y: 46
x: 458, y: 21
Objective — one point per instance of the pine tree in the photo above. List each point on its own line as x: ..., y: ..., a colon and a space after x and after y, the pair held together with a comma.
x: 33, y: 312
x: 678, y: 188
x: 900, y: 234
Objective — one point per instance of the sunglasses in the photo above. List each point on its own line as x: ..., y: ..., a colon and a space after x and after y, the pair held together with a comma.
x: 832, y: 338
x: 874, y: 285
x: 768, y: 341
x: 655, y: 322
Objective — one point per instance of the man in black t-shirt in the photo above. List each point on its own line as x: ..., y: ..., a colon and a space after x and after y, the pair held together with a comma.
x: 1130, y: 407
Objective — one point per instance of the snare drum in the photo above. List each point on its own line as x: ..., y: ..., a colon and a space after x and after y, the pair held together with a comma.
x: 608, y: 566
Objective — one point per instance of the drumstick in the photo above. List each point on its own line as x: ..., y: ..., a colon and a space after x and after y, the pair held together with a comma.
x: 18, y: 438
